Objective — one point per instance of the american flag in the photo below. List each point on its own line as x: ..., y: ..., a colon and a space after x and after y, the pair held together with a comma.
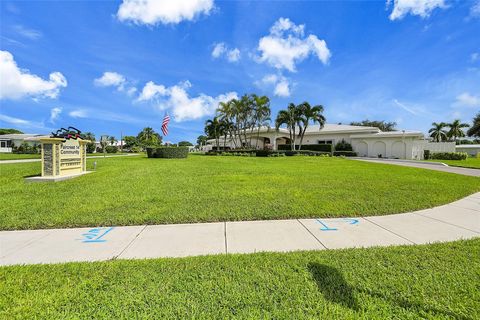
x: 165, y: 122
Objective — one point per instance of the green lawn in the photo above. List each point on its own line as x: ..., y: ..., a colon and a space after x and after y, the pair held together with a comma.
x: 410, y: 282
x: 16, y: 156
x: 469, y: 163
x: 138, y: 190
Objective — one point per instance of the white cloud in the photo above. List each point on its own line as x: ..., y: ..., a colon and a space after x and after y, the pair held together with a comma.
x: 404, y: 107
x: 474, y: 56
x: 115, y: 79
x: 222, y: 50
x: 233, y: 55
x: 286, y: 45
x: 422, y: 8
x: 31, y: 34
x: 151, y: 90
x: 218, y: 50
x: 13, y: 120
x: 16, y: 83
x: 177, y: 99
x: 79, y: 113
x: 280, y: 84
x: 475, y: 9
x: 152, y: 12
x: 55, y: 113
x: 467, y: 100
x: 110, y: 79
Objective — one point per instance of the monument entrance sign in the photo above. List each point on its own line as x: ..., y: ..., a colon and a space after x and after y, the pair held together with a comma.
x: 63, y: 154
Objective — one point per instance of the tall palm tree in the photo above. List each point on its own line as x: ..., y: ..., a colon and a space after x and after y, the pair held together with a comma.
x: 226, y: 114
x: 262, y: 114
x: 213, y: 130
x: 309, y: 113
x: 148, y: 137
x: 112, y: 140
x: 290, y: 118
x: 456, y: 129
x: 474, y: 130
x: 438, y: 132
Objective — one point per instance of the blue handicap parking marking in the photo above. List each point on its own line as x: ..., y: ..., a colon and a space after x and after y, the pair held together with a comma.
x: 325, y: 227
x: 350, y: 221
x: 95, y: 235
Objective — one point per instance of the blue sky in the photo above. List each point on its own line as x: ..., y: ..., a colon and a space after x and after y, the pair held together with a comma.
x: 111, y: 67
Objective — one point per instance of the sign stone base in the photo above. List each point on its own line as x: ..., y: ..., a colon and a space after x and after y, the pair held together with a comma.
x: 55, y: 178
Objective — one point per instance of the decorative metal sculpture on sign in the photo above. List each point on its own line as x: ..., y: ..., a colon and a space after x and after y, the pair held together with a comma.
x: 70, y: 133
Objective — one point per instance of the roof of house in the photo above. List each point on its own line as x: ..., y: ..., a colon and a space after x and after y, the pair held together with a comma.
x: 468, y: 146
x: 380, y: 134
x: 18, y: 136
x: 339, y: 128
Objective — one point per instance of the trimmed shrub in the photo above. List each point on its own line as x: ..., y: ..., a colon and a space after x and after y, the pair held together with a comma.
x: 449, y: 155
x: 309, y: 147
x: 307, y: 153
x: 344, y: 153
x: 111, y: 149
x: 343, y: 146
x: 168, y: 152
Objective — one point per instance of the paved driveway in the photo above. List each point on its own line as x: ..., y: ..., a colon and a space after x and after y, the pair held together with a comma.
x: 425, y: 165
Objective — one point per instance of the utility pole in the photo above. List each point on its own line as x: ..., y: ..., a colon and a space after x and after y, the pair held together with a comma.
x: 121, y: 142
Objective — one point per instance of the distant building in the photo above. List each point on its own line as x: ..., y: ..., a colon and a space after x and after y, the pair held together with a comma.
x: 365, y: 141
x: 7, y: 141
x: 471, y: 149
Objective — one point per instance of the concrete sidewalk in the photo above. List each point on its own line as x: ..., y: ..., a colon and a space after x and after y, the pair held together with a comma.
x: 457, y: 220
x: 424, y: 165
x: 89, y: 157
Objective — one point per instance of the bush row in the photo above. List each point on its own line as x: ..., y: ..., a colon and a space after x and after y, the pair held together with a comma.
x: 448, y: 155
x: 344, y: 153
x: 308, y: 147
x: 167, y: 152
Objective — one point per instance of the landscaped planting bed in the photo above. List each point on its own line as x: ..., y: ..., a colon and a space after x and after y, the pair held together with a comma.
x: 438, y: 281
x: 136, y: 190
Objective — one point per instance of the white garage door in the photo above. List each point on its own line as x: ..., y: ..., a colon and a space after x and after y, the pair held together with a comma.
x: 361, y: 149
x: 398, y: 150
x: 380, y: 148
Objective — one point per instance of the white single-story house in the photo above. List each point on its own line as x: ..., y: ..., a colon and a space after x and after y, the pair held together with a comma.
x: 16, y: 139
x: 365, y: 141
x: 471, y: 149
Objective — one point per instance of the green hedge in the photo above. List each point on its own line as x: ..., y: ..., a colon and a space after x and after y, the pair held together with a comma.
x: 307, y: 153
x: 449, y: 155
x: 168, y: 152
x: 344, y: 153
x: 310, y: 147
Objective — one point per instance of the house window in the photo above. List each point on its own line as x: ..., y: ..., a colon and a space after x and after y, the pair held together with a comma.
x: 325, y: 141
x: 3, y: 144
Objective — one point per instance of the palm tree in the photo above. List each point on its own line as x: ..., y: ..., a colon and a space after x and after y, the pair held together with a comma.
x: 91, y: 145
x: 226, y: 114
x: 112, y: 140
x: 474, y: 130
x: 290, y: 118
x: 309, y: 113
x: 456, y: 129
x: 213, y: 130
x: 201, y: 140
x: 261, y: 113
x: 148, y: 137
x: 437, y: 132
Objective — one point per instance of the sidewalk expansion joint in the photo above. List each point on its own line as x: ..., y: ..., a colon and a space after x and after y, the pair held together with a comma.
x: 129, y: 244
x: 312, y: 234
x: 366, y: 218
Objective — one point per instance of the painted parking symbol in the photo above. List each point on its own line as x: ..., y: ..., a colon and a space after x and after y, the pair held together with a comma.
x: 325, y: 227
x: 95, y: 235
